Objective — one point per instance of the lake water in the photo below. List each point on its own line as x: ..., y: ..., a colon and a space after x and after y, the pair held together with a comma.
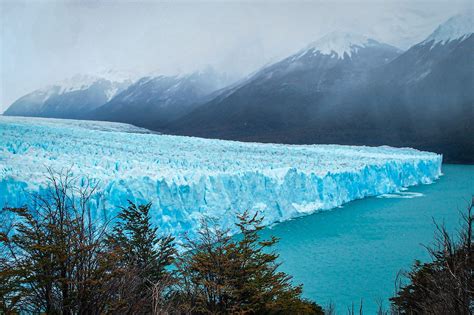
x: 356, y: 251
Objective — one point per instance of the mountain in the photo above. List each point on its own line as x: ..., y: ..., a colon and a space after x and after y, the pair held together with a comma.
x: 72, y: 98
x: 286, y: 95
x: 424, y: 98
x: 153, y: 101
x: 348, y: 89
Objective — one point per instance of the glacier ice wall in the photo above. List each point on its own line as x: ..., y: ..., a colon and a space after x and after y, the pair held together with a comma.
x: 186, y: 178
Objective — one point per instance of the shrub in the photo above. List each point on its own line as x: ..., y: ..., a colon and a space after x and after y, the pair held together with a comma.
x: 446, y: 284
x: 221, y: 274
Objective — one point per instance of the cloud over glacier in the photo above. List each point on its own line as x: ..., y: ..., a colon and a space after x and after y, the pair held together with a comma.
x: 186, y: 178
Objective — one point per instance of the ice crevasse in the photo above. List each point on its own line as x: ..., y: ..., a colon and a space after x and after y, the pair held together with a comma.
x: 187, y: 178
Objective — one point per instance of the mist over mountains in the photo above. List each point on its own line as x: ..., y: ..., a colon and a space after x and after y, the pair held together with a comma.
x: 343, y: 88
x: 285, y: 96
x: 73, y: 98
x: 152, y: 102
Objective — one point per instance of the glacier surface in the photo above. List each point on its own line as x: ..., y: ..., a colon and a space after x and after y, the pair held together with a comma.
x: 186, y: 178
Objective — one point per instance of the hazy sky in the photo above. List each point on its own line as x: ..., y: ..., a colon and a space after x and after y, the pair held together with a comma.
x: 46, y: 41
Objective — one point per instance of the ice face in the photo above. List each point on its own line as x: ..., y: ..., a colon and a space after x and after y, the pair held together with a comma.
x: 186, y: 178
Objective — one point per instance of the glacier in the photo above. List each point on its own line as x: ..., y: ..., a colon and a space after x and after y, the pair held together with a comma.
x: 187, y: 178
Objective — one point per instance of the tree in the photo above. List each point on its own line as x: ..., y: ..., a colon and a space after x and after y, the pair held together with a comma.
x: 446, y: 284
x: 11, y: 291
x: 56, y: 259
x: 50, y: 253
x: 139, y: 260
x: 220, y: 274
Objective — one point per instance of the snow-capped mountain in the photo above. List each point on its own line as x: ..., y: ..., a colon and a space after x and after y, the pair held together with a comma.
x: 443, y: 59
x: 425, y: 97
x: 153, y: 101
x: 349, y: 89
x: 288, y: 93
x: 343, y: 88
x: 458, y: 27
x: 339, y: 44
x: 74, y: 97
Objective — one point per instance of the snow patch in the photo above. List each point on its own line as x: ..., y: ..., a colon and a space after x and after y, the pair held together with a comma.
x: 458, y: 27
x: 339, y: 44
x: 80, y: 82
x: 76, y: 83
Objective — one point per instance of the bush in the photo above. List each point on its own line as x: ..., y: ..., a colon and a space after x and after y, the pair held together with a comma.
x: 220, y: 275
x: 55, y: 259
x: 137, y: 259
x: 50, y: 254
x: 445, y: 285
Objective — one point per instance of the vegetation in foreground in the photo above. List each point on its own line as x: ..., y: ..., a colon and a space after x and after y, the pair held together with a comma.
x: 446, y: 284
x: 55, y: 259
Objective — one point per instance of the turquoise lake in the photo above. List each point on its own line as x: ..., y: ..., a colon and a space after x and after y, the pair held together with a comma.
x: 355, y: 252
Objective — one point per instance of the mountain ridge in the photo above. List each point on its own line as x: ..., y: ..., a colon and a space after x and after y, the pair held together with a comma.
x: 344, y: 88
x: 421, y: 98
x: 70, y: 98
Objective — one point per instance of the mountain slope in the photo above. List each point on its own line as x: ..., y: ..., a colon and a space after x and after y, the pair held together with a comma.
x: 288, y: 93
x: 73, y: 98
x: 425, y: 97
x: 154, y: 101
x: 350, y: 90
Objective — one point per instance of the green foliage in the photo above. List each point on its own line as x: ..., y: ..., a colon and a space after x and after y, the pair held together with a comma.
x: 139, y: 241
x: 221, y: 275
x: 445, y: 285
x: 55, y: 259
x: 11, y: 289
x: 50, y: 253
x: 138, y: 258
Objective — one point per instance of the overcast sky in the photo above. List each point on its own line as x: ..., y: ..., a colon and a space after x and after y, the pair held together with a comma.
x: 46, y: 41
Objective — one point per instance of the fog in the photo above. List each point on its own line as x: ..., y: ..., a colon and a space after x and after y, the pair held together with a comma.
x: 45, y: 41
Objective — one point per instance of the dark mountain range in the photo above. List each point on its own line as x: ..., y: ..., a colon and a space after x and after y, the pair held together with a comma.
x: 288, y: 93
x: 153, y: 102
x: 74, y: 98
x: 343, y: 89
x: 348, y: 89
